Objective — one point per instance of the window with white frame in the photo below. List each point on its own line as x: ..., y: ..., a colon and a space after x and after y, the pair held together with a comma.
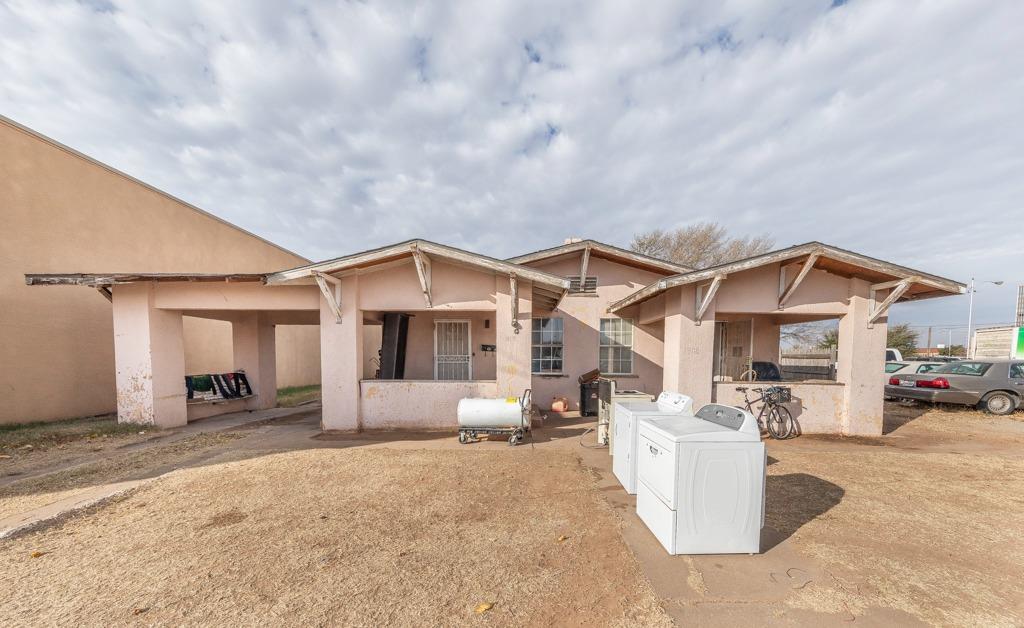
x: 547, y: 345
x: 616, y: 346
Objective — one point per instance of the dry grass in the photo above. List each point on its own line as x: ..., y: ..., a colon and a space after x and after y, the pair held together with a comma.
x: 33, y: 492
x: 292, y: 396
x: 934, y: 534
x: 340, y: 537
x: 46, y: 434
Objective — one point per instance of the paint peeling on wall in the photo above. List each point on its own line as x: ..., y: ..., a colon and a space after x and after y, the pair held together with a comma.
x: 134, y: 401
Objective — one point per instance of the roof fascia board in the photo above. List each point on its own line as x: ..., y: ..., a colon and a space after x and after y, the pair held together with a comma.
x: 111, y: 279
x: 822, y: 250
x: 602, y: 250
x: 431, y: 248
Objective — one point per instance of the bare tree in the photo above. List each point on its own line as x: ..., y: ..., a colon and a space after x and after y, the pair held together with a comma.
x: 699, y: 245
x: 801, y: 334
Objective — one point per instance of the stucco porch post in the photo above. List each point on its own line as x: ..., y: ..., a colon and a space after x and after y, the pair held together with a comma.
x: 254, y: 347
x: 513, y: 358
x: 341, y: 359
x: 766, y: 337
x: 149, y: 357
x: 689, y: 348
x: 861, y: 363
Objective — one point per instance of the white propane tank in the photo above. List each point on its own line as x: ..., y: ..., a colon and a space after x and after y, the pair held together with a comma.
x: 491, y: 413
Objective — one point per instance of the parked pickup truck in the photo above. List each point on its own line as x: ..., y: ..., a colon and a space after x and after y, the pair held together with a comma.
x: 996, y: 386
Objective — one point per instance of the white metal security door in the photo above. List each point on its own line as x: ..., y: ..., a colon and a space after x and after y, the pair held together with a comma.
x: 452, y: 350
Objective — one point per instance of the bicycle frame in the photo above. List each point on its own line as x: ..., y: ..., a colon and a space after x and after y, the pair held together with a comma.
x: 749, y: 406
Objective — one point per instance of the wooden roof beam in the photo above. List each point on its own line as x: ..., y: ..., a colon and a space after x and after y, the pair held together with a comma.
x: 333, y: 297
x: 423, y: 272
x: 702, y: 305
x: 895, y: 292
x: 804, y: 271
x: 514, y: 297
x: 584, y: 263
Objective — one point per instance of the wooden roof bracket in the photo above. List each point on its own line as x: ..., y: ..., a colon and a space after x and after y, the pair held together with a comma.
x: 333, y: 297
x: 514, y: 297
x: 702, y: 304
x: 105, y: 291
x: 785, y: 292
x: 896, y: 289
x: 584, y: 263
x: 423, y: 271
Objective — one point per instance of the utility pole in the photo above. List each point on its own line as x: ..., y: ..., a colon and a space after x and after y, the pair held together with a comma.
x: 929, y: 344
x: 949, y: 345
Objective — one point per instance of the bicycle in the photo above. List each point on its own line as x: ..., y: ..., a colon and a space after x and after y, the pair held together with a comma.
x: 779, y: 422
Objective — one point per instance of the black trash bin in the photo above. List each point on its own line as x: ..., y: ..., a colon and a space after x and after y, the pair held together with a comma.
x: 590, y: 384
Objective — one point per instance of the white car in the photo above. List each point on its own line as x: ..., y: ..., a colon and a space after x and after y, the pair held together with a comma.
x: 906, y: 368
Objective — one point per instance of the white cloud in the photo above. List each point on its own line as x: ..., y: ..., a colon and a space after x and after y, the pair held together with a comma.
x: 888, y: 128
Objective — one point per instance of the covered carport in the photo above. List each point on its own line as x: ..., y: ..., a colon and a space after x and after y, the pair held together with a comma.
x: 149, y: 353
x: 758, y: 295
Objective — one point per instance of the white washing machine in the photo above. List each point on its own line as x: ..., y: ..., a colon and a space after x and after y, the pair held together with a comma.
x: 627, y: 420
x: 700, y: 485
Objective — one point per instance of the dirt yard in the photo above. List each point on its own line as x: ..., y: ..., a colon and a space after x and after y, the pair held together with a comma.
x: 341, y: 537
x: 268, y: 522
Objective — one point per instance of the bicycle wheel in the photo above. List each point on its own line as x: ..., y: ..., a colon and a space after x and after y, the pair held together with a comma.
x: 780, y: 422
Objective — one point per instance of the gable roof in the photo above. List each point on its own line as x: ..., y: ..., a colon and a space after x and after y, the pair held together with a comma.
x: 831, y: 259
x: 604, y: 251
x: 80, y: 155
x: 547, y: 288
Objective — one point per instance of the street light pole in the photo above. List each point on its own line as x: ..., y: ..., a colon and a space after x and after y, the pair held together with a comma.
x: 970, y: 322
x: 969, y: 349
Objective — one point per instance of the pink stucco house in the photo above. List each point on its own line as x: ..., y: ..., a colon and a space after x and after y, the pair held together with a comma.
x: 409, y: 329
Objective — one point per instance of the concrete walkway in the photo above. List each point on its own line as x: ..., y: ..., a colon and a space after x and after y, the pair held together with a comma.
x: 90, y: 496
x: 31, y: 519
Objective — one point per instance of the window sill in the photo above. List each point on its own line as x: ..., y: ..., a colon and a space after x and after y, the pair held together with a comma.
x: 620, y: 375
x: 549, y: 375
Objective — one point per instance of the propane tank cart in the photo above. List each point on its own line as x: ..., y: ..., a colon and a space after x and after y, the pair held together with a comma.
x: 510, y: 416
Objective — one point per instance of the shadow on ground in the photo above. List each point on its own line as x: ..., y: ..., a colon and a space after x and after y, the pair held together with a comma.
x: 897, y: 415
x: 793, y: 500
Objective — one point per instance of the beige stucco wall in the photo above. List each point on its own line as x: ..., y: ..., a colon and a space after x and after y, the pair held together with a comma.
x: 458, y: 293
x: 581, y: 315
x: 62, y: 213
x: 407, y: 404
x: 817, y: 408
x: 855, y: 405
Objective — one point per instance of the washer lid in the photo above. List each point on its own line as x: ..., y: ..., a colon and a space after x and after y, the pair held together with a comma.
x: 694, y: 429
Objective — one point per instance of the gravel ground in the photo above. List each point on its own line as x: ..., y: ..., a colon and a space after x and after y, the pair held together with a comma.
x: 340, y: 537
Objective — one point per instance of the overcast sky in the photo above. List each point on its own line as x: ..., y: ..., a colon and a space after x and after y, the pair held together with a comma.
x: 890, y: 128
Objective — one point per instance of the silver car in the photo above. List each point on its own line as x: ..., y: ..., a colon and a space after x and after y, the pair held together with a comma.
x: 996, y: 386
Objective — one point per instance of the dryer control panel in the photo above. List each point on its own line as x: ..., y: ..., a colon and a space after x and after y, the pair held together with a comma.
x: 730, y: 417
